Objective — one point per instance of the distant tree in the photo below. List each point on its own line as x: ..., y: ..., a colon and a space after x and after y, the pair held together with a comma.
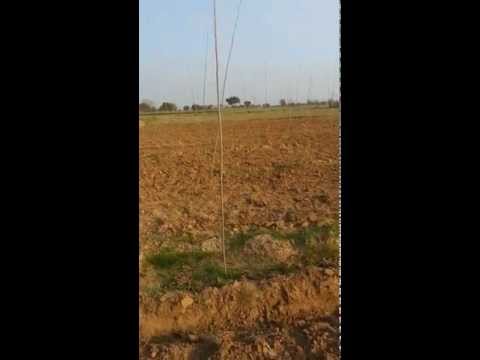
x: 167, y: 106
x: 186, y: 108
x: 266, y: 105
x: 233, y: 100
x: 196, y: 107
x: 209, y: 107
x: 149, y: 102
x: 283, y: 102
x: 333, y: 103
x: 247, y: 103
x: 146, y: 105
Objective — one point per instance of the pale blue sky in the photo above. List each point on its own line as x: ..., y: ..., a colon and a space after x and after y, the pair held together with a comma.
x: 287, y: 41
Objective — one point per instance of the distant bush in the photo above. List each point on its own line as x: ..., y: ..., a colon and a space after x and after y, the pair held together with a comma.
x: 283, y: 102
x: 146, y: 107
x: 333, y: 103
x: 186, y: 108
x: 233, y: 100
x: 167, y: 106
x: 266, y: 105
x: 196, y: 107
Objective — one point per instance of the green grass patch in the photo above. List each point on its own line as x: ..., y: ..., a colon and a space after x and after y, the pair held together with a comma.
x: 282, y: 269
x: 195, y: 270
x: 301, y: 236
x: 313, y: 255
x: 213, y: 274
x: 169, y: 259
x: 237, y: 241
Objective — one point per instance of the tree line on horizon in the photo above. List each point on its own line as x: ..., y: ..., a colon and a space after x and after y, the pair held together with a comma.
x: 233, y: 101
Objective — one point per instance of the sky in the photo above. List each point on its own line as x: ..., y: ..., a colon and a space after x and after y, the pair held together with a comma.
x: 283, y: 49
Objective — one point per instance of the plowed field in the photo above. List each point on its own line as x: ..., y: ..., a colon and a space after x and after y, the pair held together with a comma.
x: 279, y: 298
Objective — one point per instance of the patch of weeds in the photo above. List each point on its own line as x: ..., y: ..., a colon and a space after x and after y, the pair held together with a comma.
x: 279, y: 268
x: 335, y: 230
x: 153, y: 291
x: 276, y: 234
x: 237, y: 241
x: 212, y: 274
x: 324, y: 232
x: 168, y: 259
x: 313, y: 255
x: 330, y: 251
x: 301, y: 236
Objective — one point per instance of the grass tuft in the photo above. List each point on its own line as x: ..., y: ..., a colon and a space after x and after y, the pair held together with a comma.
x: 213, y: 274
x: 169, y: 259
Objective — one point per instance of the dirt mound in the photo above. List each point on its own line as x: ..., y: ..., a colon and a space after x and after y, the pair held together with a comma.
x: 294, y: 317
x: 265, y: 245
x: 242, y: 304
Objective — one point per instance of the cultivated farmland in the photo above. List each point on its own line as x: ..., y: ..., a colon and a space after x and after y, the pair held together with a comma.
x: 279, y: 297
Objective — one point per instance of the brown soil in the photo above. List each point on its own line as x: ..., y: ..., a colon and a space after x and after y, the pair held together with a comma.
x: 280, y: 175
x: 287, y: 317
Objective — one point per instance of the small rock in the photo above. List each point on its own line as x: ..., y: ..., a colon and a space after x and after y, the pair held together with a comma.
x: 153, y: 352
x: 187, y: 301
x: 167, y: 296
x: 193, y: 338
x: 312, y: 217
x: 329, y: 272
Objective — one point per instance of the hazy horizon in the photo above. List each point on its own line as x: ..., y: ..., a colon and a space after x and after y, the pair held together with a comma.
x: 291, y: 49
